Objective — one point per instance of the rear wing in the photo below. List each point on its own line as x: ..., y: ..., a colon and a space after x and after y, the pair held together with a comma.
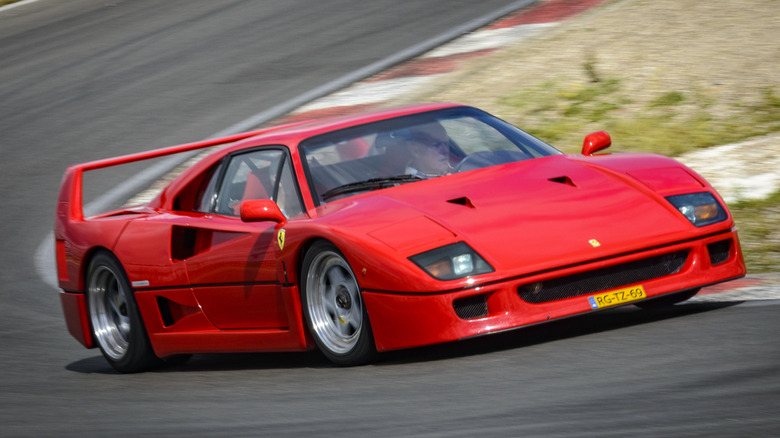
x: 70, y: 202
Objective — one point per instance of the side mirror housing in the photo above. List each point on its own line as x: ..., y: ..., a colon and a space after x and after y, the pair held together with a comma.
x: 595, y: 142
x: 258, y: 210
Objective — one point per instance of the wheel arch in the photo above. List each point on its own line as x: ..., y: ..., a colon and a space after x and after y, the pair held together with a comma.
x: 121, y: 333
x: 364, y: 348
x: 304, y: 248
x: 90, y: 255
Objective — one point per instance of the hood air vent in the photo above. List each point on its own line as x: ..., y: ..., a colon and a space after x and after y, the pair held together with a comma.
x: 563, y: 180
x: 462, y: 201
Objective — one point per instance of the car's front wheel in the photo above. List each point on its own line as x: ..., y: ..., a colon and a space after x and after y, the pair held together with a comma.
x: 116, y: 322
x: 333, y: 306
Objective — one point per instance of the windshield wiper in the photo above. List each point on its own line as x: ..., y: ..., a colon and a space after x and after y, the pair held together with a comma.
x: 369, y: 184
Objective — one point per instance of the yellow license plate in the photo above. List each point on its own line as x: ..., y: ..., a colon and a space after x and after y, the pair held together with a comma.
x: 616, y: 297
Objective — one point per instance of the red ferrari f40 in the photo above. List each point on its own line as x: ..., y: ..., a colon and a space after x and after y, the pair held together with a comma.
x: 387, y: 230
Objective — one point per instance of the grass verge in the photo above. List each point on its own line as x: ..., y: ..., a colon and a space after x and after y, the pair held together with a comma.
x: 672, y: 123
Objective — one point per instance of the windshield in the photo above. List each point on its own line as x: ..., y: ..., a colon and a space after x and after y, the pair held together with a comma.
x: 412, y: 148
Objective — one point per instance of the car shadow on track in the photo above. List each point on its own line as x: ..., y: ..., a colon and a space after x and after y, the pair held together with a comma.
x: 610, y: 319
x: 581, y: 325
x: 217, y: 362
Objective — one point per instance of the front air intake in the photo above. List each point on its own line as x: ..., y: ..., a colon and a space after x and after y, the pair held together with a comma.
x: 719, y: 251
x: 471, y: 307
x: 611, y: 277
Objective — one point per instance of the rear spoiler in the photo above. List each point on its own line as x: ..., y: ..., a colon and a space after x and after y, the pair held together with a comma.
x: 70, y: 201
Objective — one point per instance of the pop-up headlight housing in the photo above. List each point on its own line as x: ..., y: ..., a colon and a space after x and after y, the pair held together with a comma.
x: 452, y: 262
x: 699, y: 208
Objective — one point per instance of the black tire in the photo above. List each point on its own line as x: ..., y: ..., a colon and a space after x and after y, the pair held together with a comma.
x: 333, y: 307
x: 114, y: 317
x: 667, y: 300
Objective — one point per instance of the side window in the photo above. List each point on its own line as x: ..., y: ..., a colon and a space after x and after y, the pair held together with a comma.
x: 287, y: 196
x: 208, y: 194
x: 259, y: 174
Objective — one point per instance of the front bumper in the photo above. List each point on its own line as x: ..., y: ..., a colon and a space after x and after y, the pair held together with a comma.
x: 404, y: 320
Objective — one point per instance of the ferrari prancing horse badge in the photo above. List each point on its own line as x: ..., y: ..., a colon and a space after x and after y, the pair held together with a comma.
x: 280, y: 238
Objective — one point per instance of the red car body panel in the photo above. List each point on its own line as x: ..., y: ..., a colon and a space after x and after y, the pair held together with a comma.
x: 234, y: 288
x: 406, y: 320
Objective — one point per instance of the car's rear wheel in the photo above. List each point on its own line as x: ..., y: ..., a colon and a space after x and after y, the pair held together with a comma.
x: 667, y: 300
x: 333, y: 307
x: 116, y: 322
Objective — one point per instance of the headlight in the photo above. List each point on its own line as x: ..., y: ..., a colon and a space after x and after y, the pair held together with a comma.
x: 452, y: 262
x: 699, y: 208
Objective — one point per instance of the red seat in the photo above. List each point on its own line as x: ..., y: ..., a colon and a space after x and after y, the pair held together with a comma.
x: 257, y: 185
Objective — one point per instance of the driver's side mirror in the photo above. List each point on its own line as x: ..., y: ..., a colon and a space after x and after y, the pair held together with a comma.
x: 257, y: 210
x: 595, y: 142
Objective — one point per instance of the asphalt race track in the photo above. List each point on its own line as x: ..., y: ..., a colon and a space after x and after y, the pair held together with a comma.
x: 88, y: 79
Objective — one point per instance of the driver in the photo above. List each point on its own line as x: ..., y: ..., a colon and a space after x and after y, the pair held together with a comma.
x: 430, y: 151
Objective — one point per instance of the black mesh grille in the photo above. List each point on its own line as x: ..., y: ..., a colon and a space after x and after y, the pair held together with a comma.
x: 719, y: 251
x: 471, y: 307
x: 603, y: 279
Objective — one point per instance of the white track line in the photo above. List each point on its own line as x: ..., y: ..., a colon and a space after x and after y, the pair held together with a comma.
x: 13, y: 5
x: 488, y: 39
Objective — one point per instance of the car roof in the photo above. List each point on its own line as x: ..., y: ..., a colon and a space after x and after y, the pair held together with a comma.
x: 291, y: 134
x: 301, y: 130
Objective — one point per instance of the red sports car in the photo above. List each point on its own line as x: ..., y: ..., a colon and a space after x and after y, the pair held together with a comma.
x: 387, y: 230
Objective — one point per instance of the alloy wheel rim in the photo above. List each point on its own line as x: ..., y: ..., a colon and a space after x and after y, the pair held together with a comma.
x: 334, y: 303
x: 109, y: 311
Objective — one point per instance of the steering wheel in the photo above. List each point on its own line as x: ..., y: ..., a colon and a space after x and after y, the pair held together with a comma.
x: 478, y: 160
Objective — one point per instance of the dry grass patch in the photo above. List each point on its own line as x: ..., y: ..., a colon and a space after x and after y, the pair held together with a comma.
x: 665, y: 76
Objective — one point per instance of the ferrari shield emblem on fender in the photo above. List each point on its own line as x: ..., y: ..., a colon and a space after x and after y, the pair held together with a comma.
x: 594, y: 243
x: 280, y: 238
